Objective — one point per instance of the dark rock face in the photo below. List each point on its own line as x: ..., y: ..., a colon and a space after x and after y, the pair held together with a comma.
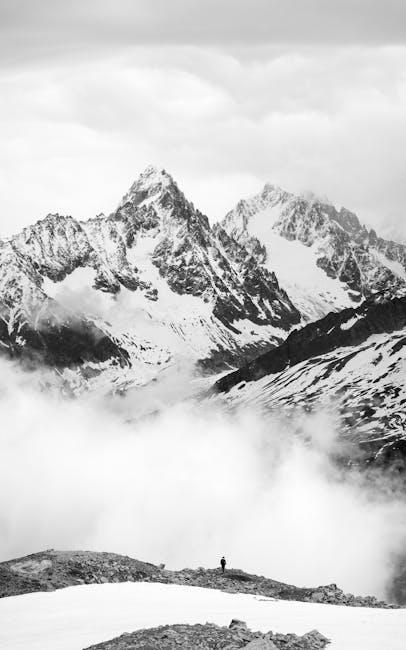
x: 51, y: 570
x: 68, y: 343
x: 351, y: 252
x: 212, y: 637
x: 350, y: 327
x: 264, y: 301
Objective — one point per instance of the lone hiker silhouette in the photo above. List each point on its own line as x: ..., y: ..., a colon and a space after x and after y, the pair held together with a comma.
x: 223, y: 563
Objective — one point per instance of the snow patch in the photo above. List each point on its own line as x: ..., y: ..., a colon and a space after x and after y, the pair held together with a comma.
x: 392, y: 265
x: 350, y: 323
x: 307, y: 285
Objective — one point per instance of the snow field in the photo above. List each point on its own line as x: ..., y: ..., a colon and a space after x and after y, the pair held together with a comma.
x: 76, y: 617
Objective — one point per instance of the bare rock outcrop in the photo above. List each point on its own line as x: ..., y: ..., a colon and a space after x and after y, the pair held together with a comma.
x: 212, y: 637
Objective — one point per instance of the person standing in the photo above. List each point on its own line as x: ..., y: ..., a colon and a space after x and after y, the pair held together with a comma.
x: 223, y: 564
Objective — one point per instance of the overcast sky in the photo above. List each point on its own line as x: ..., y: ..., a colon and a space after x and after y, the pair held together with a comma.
x: 225, y: 94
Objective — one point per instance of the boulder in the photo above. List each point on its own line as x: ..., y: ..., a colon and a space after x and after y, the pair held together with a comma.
x: 237, y: 624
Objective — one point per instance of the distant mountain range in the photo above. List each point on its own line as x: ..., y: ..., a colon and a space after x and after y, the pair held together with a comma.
x: 303, y: 298
x: 137, y: 289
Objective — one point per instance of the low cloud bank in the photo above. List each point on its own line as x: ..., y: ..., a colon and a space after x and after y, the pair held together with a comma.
x: 187, y: 486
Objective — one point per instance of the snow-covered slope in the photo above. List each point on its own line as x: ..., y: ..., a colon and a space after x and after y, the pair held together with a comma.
x: 77, y: 617
x: 352, y: 362
x: 153, y: 279
x: 323, y: 257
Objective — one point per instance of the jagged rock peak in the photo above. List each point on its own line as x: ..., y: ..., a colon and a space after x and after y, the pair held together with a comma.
x: 270, y: 189
x: 150, y: 183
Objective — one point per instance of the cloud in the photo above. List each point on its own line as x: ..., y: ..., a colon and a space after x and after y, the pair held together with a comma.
x: 75, y: 134
x: 53, y: 27
x: 186, y: 486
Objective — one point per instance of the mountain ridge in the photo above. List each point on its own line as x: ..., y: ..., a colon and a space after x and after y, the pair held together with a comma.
x: 156, y: 282
x: 50, y: 570
x: 203, y: 291
x: 351, y: 363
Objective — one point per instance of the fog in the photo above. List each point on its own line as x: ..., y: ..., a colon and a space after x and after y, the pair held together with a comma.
x: 187, y: 486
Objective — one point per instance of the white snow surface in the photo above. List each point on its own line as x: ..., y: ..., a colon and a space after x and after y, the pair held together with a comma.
x: 392, y: 265
x: 311, y: 290
x: 76, y: 617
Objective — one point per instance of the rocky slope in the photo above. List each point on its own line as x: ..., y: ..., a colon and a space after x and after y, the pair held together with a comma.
x: 50, y: 570
x: 35, y: 328
x: 212, y: 637
x: 150, y: 282
x: 324, y: 257
x: 351, y: 362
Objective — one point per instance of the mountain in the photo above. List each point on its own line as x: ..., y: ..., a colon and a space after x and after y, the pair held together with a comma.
x: 349, y: 285
x: 130, y: 292
x: 352, y: 363
x: 116, y: 300
x: 323, y: 257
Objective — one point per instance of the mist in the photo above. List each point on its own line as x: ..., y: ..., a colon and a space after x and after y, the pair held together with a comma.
x: 187, y: 486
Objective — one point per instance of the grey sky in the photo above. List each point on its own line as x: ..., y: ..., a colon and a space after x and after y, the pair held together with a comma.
x: 226, y: 95
x: 60, y: 24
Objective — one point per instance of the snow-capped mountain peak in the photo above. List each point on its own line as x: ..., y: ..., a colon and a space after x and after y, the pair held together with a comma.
x: 150, y: 183
x: 323, y: 257
x: 267, y: 204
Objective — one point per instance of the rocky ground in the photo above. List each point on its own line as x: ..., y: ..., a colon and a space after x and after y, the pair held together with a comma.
x: 50, y: 570
x: 212, y: 637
